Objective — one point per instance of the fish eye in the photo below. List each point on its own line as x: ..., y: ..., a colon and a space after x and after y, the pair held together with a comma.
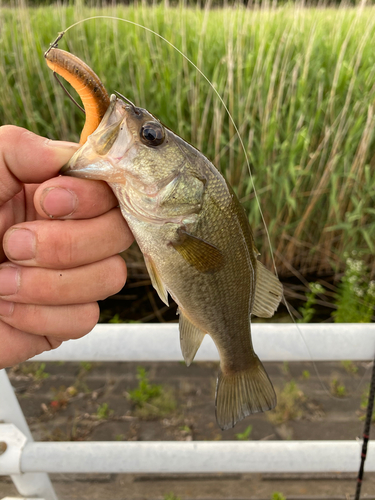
x: 152, y: 134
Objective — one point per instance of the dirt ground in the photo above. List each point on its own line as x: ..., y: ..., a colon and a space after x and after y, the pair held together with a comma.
x: 86, y: 401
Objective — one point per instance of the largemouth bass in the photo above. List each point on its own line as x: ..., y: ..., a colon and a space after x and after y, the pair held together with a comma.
x: 197, y: 244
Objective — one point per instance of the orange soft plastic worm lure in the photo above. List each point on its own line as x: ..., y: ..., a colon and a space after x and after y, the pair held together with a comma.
x: 85, y: 82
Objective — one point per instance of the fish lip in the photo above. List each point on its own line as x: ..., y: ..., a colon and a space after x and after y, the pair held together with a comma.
x: 116, y: 113
x: 65, y: 170
x: 92, y: 162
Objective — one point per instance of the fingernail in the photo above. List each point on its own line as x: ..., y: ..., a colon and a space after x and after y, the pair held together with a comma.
x: 58, y: 202
x: 20, y: 244
x: 9, y: 280
x: 63, y: 150
x: 64, y: 145
x: 6, y: 308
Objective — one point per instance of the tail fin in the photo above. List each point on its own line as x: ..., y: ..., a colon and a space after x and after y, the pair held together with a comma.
x: 242, y: 393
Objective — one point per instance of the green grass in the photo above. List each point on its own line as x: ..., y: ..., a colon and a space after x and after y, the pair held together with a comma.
x: 337, y: 388
x: 364, y: 404
x: 289, y: 404
x: 306, y: 374
x: 145, y: 390
x: 299, y: 83
x: 307, y: 311
x: 103, y: 412
x: 171, y: 496
x: 277, y: 496
x: 349, y: 367
x: 151, y: 401
x: 245, y: 435
x: 37, y: 370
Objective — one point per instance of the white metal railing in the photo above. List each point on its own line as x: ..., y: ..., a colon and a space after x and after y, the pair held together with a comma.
x: 272, y: 342
x: 28, y: 462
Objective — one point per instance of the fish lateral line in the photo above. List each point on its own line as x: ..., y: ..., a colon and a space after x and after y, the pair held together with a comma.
x: 53, y: 47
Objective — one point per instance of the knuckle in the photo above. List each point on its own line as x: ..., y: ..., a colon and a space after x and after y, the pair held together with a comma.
x: 120, y: 273
x: 54, y: 343
x: 61, y: 246
x: 15, y: 134
x: 5, y: 130
x: 114, y: 276
x: 88, y: 318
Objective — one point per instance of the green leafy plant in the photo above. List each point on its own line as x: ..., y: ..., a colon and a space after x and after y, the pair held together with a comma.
x: 307, y: 310
x: 116, y: 319
x: 86, y: 366
x: 349, y: 366
x: 151, y: 400
x: 306, y: 374
x: 103, y: 412
x: 186, y: 431
x: 364, y: 404
x: 338, y: 389
x: 80, y: 383
x: 37, y: 370
x: 276, y: 495
x: 244, y: 436
x: 285, y: 368
x: 171, y: 496
x: 40, y: 374
x: 355, y: 299
x: 145, y: 390
x: 289, y: 404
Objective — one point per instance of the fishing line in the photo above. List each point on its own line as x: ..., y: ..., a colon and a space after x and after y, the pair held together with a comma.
x: 133, y: 23
x: 366, y: 434
x: 68, y: 93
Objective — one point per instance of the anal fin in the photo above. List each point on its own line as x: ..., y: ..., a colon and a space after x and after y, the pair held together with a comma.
x: 156, y: 280
x: 190, y: 338
x: 268, y: 292
x: 242, y: 393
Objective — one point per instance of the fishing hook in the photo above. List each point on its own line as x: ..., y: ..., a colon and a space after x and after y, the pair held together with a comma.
x: 135, y: 109
x: 55, y: 43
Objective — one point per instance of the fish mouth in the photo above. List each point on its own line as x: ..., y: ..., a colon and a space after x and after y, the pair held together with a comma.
x: 64, y: 170
x: 97, y: 158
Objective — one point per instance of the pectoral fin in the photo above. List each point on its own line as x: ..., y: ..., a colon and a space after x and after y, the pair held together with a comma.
x: 156, y: 281
x: 190, y: 338
x: 198, y: 253
x: 268, y: 292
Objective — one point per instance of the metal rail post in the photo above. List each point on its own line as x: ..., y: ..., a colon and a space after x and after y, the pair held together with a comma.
x: 29, y: 484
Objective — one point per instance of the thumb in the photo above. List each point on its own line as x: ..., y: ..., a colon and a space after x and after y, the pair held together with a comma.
x: 28, y: 158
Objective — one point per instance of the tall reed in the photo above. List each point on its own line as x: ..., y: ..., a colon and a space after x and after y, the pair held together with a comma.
x: 300, y: 84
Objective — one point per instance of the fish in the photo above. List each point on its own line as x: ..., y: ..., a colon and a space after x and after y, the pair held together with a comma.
x: 197, y: 244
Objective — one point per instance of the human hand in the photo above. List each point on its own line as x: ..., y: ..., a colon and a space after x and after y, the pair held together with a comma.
x: 52, y: 271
